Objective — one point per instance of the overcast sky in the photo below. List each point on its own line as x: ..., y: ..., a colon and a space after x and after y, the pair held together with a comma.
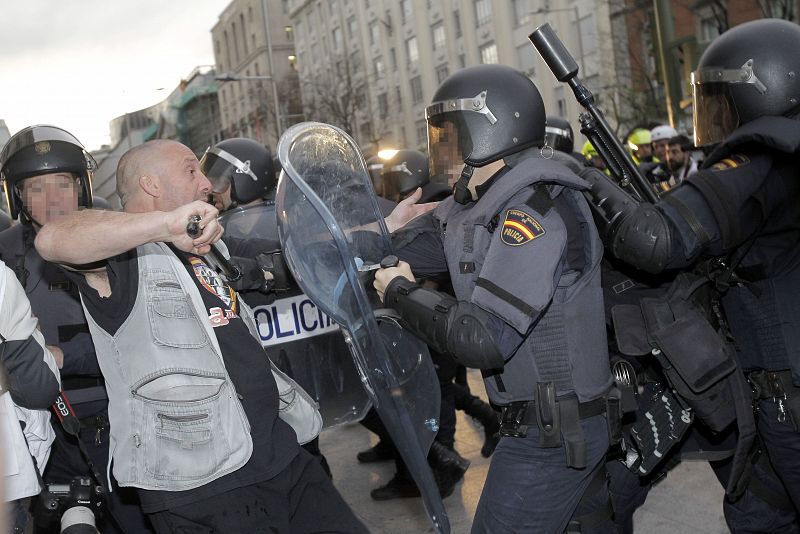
x: 80, y: 63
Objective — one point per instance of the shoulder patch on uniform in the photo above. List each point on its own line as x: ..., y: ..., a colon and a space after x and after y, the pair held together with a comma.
x: 520, y: 228
x: 736, y: 160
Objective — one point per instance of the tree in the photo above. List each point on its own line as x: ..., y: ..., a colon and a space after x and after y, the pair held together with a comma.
x: 335, y: 95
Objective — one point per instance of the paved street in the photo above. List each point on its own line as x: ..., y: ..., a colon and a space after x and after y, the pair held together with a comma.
x: 687, y: 501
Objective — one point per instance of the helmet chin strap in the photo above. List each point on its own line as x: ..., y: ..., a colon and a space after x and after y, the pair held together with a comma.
x: 27, y: 215
x: 460, y: 192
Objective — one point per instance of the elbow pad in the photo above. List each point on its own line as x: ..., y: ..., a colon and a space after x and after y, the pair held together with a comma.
x: 643, y: 239
x: 445, y: 324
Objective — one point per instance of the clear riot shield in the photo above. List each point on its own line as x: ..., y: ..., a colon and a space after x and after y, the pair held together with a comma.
x: 300, y: 339
x: 332, y: 232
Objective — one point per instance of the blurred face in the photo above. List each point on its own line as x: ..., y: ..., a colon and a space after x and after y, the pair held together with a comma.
x: 222, y: 199
x: 446, y: 156
x: 181, y: 177
x: 49, y: 197
x: 676, y: 157
x: 660, y: 149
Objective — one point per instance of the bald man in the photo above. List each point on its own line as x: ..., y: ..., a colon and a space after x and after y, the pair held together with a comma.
x: 193, y: 405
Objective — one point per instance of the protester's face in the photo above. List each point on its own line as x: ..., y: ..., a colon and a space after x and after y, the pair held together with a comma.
x: 660, y: 149
x: 48, y: 197
x: 644, y: 152
x: 182, y: 179
x: 676, y: 157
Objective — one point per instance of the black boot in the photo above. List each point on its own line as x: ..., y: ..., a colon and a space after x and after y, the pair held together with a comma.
x: 401, y: 486
x: 485, y: 415
x: 448, y: 467
x: 380, y: 452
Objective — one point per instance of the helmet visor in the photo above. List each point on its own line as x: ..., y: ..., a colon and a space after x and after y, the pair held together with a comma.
x: 715, y: 116
x: 449, y: 144
x: 220, y: 166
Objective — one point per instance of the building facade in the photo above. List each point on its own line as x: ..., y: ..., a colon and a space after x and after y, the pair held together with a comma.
x: 255, y: 61
x: 371, y: 66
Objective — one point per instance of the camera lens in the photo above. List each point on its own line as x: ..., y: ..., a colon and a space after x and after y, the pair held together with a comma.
x: 78, y: 520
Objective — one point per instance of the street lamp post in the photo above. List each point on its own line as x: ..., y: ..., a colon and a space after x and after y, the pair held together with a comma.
x: 574, y: 9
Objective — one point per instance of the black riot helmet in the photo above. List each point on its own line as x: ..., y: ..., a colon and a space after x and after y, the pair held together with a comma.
x: 749, y: 71
x: 38, y: 150
x: 403, y: 173
x: 479, y: 115
x: 244, y: 165
x: 558, y: 133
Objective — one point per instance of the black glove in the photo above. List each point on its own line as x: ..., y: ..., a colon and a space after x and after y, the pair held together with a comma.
x: 275, y: 270
x: 251, y: 276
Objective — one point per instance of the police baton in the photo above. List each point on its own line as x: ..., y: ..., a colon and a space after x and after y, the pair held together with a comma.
x: 230, y: 271
x: 593, y: 123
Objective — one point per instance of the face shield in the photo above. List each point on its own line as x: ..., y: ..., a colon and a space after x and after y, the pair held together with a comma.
x: 452, y: 125
x: 220, y: 167
x: 715, y: 116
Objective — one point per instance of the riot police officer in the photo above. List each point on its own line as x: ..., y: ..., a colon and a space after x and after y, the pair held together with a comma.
x: 524, y: 259
x: 46, y: 174
x: 404, y: 172
x: 735, y: 219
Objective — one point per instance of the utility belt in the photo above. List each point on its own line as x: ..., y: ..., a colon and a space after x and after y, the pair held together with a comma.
x: 558, y: 420
x: 777, y: 386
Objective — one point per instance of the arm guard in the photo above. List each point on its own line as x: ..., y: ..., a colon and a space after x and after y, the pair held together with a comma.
x: 445, y: 324
x: 637, y: 233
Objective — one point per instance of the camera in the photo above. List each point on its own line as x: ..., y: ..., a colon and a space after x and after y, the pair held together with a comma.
x: 74, y: 505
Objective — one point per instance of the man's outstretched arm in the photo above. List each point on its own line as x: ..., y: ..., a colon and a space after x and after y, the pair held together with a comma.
x: 90, y: 235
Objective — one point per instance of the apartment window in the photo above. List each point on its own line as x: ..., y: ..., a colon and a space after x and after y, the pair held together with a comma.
x: 526, y: 59
x: 416, y: 90
x: 352, y: 29
x: 438, y: 36
x: 488, y: 53
x: 561, y: 103
x: 457, y: 23
x: 383, y: 105
x: 442, y: 72
x: 379, y: 68
x: 399, y: 96
x: 462, y: 61
x: 289, y: 32
x: 244, y: 33
x: 337, y: 39
x: 708, y: 28
x: 411, y: 50
x: 374, y: 33
x: 393, y: 58
x: 521, y: 12
x: 405, y: 10
x: 366, y: 131
x: 422, y: 133
x: 250, y: 14
x: 235, y: 38
x: 483, y: 11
